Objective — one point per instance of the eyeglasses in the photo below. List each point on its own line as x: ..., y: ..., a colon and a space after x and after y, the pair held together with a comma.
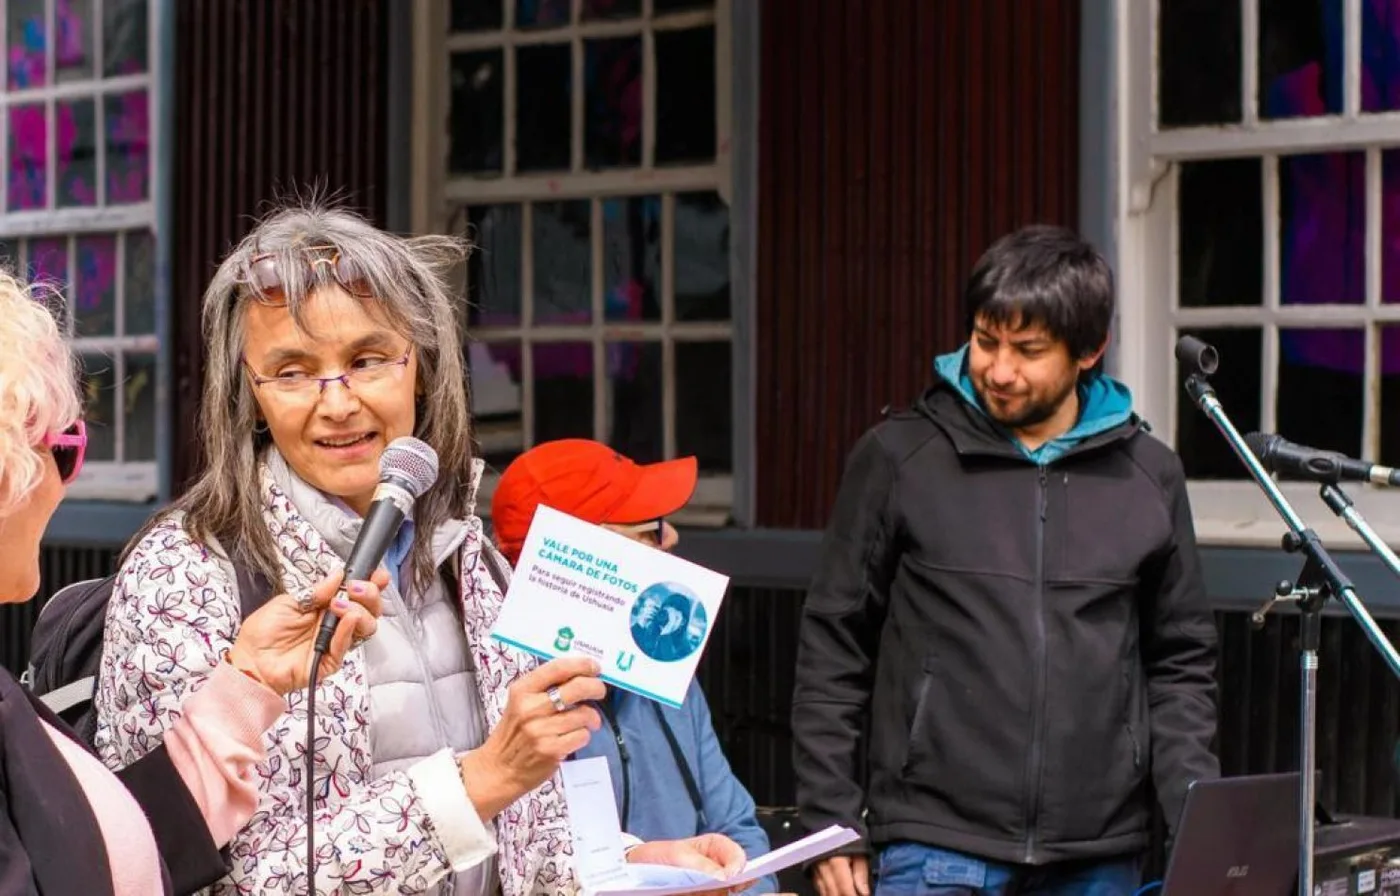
x: 303, y: 387
x: 648, y: 532
x: 267, y: 282
x: 68, y: 448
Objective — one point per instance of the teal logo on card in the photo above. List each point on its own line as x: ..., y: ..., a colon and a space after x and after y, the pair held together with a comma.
x: 624, y: 660
x: 564, y: 639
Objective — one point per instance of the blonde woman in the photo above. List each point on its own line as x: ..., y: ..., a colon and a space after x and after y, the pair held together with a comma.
x: 67, y: 824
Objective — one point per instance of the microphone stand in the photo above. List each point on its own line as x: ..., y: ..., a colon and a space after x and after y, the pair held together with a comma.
x: 1321, y: 578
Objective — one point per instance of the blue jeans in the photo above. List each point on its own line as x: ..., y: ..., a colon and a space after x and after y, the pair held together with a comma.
x: 912, y: 869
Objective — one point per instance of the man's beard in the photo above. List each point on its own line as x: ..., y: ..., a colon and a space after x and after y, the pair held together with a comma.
x: 1034, y: 413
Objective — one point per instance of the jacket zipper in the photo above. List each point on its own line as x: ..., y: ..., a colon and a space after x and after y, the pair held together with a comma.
x: 1037, y: 706
x: 1128, y: 721
x: 414, y: 626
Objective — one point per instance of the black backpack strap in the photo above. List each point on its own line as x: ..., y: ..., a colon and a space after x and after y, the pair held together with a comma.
x: 686, y: 775
x: 254, y: 589
x: 495, y: 565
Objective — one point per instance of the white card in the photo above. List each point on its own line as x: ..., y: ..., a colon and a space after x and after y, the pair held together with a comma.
x: 643, y: 614
x: 597, y: 836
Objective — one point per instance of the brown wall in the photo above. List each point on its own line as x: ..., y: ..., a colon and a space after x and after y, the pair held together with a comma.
x: 897, y: 139
x: 271, y: 97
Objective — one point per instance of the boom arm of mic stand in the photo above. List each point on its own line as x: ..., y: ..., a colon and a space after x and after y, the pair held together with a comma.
x: 1340, y: 504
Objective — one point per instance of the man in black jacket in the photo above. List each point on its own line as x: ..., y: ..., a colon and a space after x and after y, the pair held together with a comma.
x: 1009, y: 606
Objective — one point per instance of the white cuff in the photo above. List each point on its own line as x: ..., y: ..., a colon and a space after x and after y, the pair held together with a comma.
x: 438, y: 783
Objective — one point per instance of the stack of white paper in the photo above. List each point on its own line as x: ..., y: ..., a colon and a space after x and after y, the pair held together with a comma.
x: 663, y: 880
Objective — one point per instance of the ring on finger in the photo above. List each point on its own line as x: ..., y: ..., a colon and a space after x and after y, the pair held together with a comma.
x: 553, y: 694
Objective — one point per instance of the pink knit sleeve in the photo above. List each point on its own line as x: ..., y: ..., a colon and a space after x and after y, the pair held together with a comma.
x: 217, y: 742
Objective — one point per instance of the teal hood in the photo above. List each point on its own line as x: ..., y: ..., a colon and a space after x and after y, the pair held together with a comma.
x: 1104, y: 403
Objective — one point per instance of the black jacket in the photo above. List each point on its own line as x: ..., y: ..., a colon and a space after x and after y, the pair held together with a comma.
x: 50, y: 843
x: 1030, y: 646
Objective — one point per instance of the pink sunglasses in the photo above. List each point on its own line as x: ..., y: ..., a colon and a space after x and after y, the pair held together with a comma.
x: 68, y: 448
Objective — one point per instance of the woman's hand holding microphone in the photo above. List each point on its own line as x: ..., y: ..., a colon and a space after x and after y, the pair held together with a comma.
x: 274, y: 644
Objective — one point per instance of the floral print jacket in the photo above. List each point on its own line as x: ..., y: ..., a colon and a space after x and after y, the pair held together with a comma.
x: 174, y: 612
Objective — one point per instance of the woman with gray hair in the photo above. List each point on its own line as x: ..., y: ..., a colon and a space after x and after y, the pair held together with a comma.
x: 325, y: 340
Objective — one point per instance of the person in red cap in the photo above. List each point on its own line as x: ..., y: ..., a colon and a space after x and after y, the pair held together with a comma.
x: 590, y: 481
x: 654, y: 752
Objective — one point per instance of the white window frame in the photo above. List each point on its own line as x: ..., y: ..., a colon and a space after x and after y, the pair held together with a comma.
x: 1230, y: 512
x: 438, y: 197
x: 136, y: 481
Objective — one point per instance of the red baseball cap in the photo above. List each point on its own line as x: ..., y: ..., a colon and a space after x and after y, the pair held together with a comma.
x: 588, y: 480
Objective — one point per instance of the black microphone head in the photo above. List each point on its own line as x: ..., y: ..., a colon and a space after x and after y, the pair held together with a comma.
x: 1197, y: 355
x: 410, y: 463
x: 1261, y: 443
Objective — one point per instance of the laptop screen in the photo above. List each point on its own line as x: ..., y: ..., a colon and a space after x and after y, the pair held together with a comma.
x: 1238, y: 837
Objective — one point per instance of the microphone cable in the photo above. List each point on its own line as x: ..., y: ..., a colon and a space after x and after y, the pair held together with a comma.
x: 312, y: 683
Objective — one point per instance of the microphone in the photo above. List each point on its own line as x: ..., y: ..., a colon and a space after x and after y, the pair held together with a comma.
x: 1281, y: 456
x: 1197, y: 354
x: 407, y: 469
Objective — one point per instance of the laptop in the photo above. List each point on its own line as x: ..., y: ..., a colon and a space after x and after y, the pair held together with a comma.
x: 1238, y: 837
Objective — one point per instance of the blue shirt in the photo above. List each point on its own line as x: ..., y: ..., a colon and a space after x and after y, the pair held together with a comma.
x: 658, y: 804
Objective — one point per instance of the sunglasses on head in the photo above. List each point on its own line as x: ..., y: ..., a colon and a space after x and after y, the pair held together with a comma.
x: 68, y: 448
x: 269, y: 287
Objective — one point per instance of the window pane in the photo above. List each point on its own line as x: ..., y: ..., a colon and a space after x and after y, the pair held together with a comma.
x: 475, y: 124
x: 662, y: 7
x: 541, y: 13
x: 612, y: 71
x: 139, y: 392
x: 476, y: 15
x: 1320, y: 388
x: 1390, y: 225
x: 702, y: 257
x: 1220, y: 232
x: 1300, y: 55
x: 77, y: 152
x: 99, y: 406
x: 496, y: 400
x: 95, y: 289
x: 1380, y: 65
x: 493, y: 269
x: 634, y: 424
x: 48, y: 263
x: 48, y: 260
x: 563, y: 390
x: 705, y: 405
x: 632, y: 258
x: 542, y: 107
x: 1390, y: 395
x: 1198, y: 44
x: 559, y: 241
x: 611, y: 9
x: 29, y: 152
x: 73, y: 43
x: 126, y: 42
x: 140, y: 296
x: 26, y: 31
x: 1204, y: 451
x: 685, y: 96
x: 128, y: 147
x: 1322, y: 229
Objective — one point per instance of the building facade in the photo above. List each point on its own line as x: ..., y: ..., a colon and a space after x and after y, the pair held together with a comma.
x: 738, y: 229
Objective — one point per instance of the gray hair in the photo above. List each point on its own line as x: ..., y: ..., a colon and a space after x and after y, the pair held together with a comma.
x: 406, y: 279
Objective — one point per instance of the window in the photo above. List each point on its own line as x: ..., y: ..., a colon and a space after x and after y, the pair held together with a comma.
x: 1261, y: 212
x: 78, y: 211
x: 586, y: 154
